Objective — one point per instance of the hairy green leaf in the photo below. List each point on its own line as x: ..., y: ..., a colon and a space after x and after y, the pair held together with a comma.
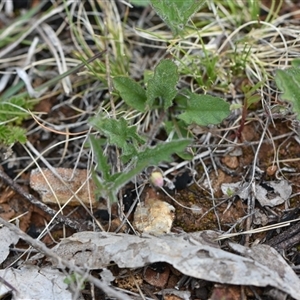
x: 288, y: 81
x: 176, y: 13
x: 102, y: 164
x: 15, y: 108
x: 131, y: 92
x: 162, y: 85
x: 120, y: 134
x: 204, y: 110
x: 150, y: 157
x: 162, y: 152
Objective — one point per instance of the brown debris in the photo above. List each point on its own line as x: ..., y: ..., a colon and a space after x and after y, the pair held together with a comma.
x: 157, y: 279
x: 226, y: 292
x: 17, y: 188
x: 154, y: 217
x: 271, y: 170
x: 231, y: 162
x: 73, y: 187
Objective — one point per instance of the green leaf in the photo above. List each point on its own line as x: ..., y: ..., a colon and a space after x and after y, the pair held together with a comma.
x: 296, y: 62
x: 151, y: 157
x: 143, y: 3
x: 252, y: 100
x: 148, y: 74
x: 102, y: 164
x: 162, y: 152
x: 178, y: 127
x: 75, y: 278
x: 119, y: 134
x: 176, y: 13
x: 131, y: 92
x: 288, y: 81
x: 163, y: 84
x: 15, y: 108
x: 204, y: 110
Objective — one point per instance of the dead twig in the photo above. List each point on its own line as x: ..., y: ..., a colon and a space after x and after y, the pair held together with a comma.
x: 286, y: 239
x: 3, y: 281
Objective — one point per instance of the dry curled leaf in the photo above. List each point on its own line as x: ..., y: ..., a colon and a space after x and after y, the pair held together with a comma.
x: 268, y: 193
x: 7, y: 238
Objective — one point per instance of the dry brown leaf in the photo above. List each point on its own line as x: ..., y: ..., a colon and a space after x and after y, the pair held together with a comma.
x: 7, y: 238
x: 66, y: 186
x: 157, y: 279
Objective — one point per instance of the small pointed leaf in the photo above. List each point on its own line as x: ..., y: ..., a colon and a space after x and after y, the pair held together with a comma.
x: 162, y: 152
x: 102, y: 164
x: 151, y: 157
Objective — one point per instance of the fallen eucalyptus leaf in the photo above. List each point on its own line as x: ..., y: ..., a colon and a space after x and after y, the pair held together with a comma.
x: 270, y: 193
x: 32, y: 282
x: 276, y: 194
x: 193, y: 254
x: 7, y: 238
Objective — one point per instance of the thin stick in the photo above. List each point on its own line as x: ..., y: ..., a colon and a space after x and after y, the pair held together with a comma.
x: 286, y: 239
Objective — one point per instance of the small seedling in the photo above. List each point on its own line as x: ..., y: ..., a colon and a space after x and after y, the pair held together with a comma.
x: 12, y: 113
x: 75, y: 280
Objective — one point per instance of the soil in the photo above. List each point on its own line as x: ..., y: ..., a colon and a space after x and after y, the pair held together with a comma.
x: 249, y: 158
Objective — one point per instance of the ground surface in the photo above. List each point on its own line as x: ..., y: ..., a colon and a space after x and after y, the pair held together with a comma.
x: 258, y: 146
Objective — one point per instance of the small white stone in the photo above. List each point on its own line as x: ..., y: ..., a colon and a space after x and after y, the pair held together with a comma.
x: 154, y: 217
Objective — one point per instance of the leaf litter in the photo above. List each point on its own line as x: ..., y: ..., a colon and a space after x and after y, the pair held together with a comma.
x: 269, y: 193
x: 185, y: 251
x: 194, y: 254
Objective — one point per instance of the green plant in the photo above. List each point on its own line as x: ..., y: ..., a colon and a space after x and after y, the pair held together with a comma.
x: 250, y: 98
x: 176, y: 13
x: 240, y: 57
x: 75, y: 279
x: 110, y: 183
x: 12, y: 113
x: 160, y: 94
x: 288, y: 81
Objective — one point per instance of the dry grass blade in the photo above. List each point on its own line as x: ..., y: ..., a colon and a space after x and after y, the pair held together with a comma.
x: 59, y: 64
